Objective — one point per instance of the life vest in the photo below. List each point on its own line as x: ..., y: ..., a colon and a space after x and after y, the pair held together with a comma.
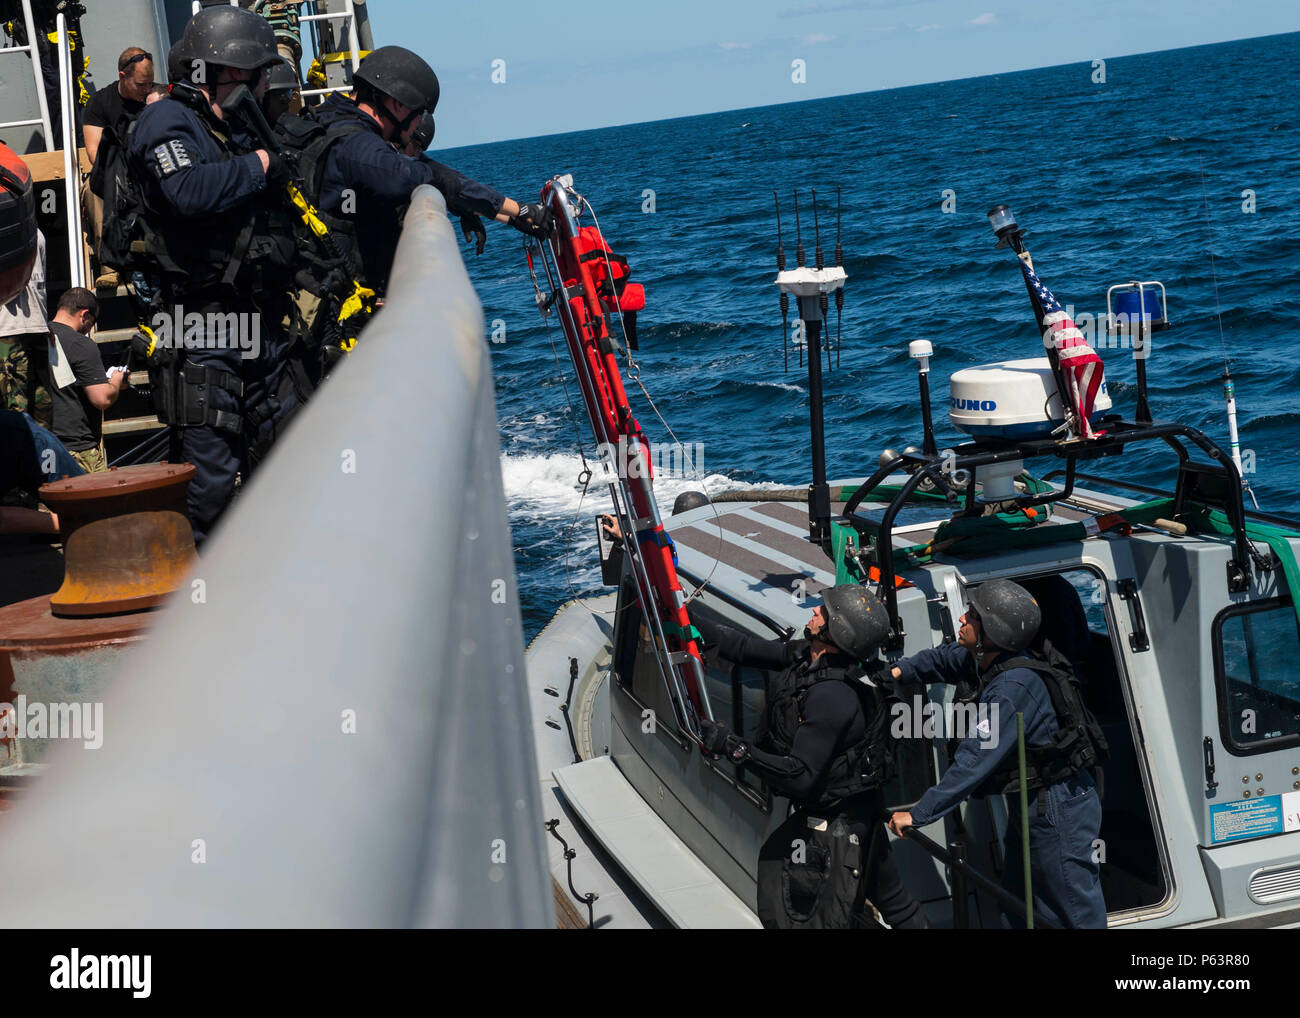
x: 610, y: 274
x: 1078, y: 744
x: 867, y: 764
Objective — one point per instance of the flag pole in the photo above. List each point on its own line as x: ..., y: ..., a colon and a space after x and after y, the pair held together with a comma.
x: 1010, y: 234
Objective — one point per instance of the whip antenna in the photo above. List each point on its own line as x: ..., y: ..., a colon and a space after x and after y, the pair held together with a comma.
x: 839, y: 264
x: 821, y: 264
x: 785, y: 297
x: 1229, y: 389
x: 799, y: 256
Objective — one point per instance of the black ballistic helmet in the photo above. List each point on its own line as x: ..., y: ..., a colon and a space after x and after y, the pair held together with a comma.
x: 422, y: 136
x: 856, y: 622
x: 228, y: 36
x: 283, y: 77
x: 178, y: 68
x: 397, y: 72
x: 1009, y: 615
x: 689, y: 500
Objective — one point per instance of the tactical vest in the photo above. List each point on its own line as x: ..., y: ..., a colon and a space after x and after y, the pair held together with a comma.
x: 867, y: 764
x: 252, y: 255
x: 306, y: 144
x: 1078, y: 744
x: 252, y: 250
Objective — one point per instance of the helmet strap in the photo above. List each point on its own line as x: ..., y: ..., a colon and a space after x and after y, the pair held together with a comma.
x: 399, y: 126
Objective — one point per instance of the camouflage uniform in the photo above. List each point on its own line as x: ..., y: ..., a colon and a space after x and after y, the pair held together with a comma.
x: 25, y: 376
x: 24, y: 347
x: 92, y: 461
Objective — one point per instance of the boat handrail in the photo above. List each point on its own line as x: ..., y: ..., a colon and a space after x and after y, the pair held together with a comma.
x: 334, y: 704
x: 1146, y: 489
x: 954, y: 857
x: 977, y: 454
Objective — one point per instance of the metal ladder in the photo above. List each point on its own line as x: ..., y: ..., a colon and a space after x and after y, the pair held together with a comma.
x: 30, y: 50
x: 349, y: 17
x: 68, y: 120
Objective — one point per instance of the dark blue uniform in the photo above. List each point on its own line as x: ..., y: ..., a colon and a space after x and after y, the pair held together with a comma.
x: 831, y: 722
x: 381, y: 180
x: 207, y: 202
x: 1064, y: 819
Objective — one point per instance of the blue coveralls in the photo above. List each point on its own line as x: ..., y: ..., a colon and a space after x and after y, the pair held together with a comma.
x: 1064, y: 819
x: 381, y: 180
x: 192, y: 186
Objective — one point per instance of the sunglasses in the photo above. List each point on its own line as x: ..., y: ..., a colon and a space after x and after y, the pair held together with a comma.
x: 136, y: 59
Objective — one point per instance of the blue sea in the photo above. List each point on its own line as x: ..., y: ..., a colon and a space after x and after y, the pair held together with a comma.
x: 1106, y: 178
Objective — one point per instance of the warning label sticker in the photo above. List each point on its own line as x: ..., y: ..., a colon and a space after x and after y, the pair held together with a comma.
x: 1250, y: 818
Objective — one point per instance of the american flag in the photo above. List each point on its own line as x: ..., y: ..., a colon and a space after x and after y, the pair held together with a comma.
x: 1083, y: 370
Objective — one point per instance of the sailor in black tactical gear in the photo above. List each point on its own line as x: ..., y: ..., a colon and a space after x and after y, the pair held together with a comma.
x: 417, y: 147
x: 366, y: 183
x: 281, y: 84
x: 989, y: 662
x: 822, y: 742
x: 222, y: 246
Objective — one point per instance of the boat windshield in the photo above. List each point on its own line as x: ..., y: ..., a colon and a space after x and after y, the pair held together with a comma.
x: 1257, y: 649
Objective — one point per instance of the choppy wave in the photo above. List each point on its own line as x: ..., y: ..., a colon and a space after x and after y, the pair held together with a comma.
x: 1106, y: 196
x: 549, y: 485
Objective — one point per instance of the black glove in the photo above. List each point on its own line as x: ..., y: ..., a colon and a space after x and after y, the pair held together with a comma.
x: 534, y: 220
x: 713, y: 737
x: 278, y: 174
x: 717, y: 740
x: 882, y: 674
x: 795, y: 649
x: 472, y: 226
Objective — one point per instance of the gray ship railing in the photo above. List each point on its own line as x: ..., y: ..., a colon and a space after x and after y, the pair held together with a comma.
x: 328, y: 725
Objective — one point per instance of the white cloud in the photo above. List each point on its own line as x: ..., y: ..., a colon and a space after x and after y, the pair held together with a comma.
x: 734, y: 45
x: 984, y: 19
x: 928, y: 28
x: 813, y: 40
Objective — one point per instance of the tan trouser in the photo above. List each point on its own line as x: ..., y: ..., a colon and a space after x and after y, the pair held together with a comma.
x: 92, y: 461
x: 92, y: 217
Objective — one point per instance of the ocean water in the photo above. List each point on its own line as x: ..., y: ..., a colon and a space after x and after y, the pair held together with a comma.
x: 1107, y: 179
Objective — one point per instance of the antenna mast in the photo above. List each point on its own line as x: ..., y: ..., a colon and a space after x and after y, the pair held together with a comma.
x: 811, y: 287
x: 1229, y: 389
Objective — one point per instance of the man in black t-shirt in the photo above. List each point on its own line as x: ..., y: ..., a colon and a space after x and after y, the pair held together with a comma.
x: 80, y: 402
x: 108, y: 116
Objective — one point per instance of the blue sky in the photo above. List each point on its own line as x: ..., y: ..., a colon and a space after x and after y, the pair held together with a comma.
x: 618, y: 63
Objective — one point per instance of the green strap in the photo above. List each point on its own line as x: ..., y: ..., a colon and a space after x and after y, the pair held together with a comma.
x: 685, y: 633
x: 1214, y: 521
